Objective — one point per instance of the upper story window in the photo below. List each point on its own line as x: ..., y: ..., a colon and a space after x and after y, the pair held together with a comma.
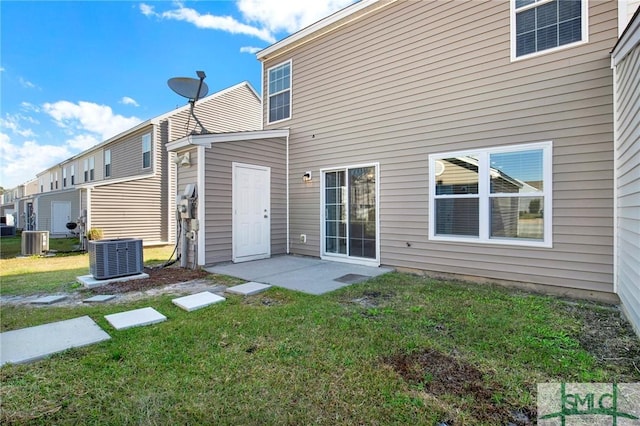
x: 280, y: 92
x: 544, y: 25
x: 64, y: 177
x: 92, y: 167
x: 492, y: 195
x: 107, y: 163
x: 56, y: 180
x: 146, y: 151
x: 41, y: 184
x: 50, y: 182
x: 73, y: 174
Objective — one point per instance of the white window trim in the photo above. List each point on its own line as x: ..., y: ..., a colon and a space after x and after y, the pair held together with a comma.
x: 151, y: 159
x: 107, y: 151
x: 512, y: 15
x: 345, y: 258
x: 484, y: 196
x: 290, y: 91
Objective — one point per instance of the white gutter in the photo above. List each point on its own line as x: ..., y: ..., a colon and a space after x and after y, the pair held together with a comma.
x: 207, y: 140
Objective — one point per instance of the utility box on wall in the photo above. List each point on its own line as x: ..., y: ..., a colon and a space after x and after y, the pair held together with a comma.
x: 115, y: 258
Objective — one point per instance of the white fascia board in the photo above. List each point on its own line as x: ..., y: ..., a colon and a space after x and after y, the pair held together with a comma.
x: 316, y: 29
x: 207, y: 140
x: 630, y: 38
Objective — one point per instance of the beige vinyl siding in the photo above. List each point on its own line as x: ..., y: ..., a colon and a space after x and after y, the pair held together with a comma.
x: 130, y: 209
x: 628, y: 184
x: 416, y: 78
x: 233, y: 111
x: 218, y: 195
x: 126, y: 155
x: 44, y: 202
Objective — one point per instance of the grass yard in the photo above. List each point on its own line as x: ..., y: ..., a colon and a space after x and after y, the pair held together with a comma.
x: 398, y: 349
x: 32, y: 275
x: 375, y: 353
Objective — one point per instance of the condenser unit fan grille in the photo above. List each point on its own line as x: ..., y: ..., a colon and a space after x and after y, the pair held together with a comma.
x: 115, y: 258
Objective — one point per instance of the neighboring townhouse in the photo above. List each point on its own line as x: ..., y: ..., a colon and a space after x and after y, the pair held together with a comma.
x: 461, y: 138
x: 8, y: 201
x: 125, y: 186
x: 626, y: 65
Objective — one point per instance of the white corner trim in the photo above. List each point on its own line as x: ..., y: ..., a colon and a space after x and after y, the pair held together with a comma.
x: 201, y: 206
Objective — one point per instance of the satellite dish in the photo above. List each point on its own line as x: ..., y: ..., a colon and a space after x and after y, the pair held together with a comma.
x: 190, y: 88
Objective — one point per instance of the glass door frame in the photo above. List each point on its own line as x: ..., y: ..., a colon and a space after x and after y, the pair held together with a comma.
x: 345, y: 257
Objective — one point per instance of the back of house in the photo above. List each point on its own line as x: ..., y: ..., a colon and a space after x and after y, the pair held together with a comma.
x: 463, y: 138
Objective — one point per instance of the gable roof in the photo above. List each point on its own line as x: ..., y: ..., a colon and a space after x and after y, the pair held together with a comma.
x: 323, y: 26
x: 628, y: 39
x: 153, y: 121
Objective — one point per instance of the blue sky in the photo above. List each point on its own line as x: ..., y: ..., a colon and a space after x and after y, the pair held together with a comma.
x: 75, y: 73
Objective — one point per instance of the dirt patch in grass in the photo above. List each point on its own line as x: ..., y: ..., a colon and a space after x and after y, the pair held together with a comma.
x: 158, y: 277
x: 609, y: 337
x: 442, y: 375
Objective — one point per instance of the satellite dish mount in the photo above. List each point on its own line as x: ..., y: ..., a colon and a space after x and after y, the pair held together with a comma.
x: 192, y: 89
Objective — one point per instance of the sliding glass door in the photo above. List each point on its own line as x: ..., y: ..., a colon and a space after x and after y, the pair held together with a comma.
x: 350, y: 212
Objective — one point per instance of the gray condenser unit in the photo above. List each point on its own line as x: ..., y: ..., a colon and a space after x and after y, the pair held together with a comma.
x: 35, y: 242
x: 115, y: 258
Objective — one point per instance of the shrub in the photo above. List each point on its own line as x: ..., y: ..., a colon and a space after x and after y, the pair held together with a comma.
x: 94, y: 234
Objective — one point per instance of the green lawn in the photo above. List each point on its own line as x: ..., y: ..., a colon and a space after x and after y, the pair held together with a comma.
x: 361, y: 355
x: 32, y: 275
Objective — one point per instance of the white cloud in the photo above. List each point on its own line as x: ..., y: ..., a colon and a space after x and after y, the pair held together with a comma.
x: 2, y: 69
x: 29, y: 107
x: 126, y: 100
x: 89, y: 117
x: 250, y: 49
x: 14, y: 122
x: 82, y: 142
x: 21, y: 162
x: 26, y: 83
x: 208, y: 21
x: 288, y: 16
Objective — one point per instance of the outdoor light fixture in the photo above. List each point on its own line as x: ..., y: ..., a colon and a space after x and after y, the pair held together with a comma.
x: 306, y: 177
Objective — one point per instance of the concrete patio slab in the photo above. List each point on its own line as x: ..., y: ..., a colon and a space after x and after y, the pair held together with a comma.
x: 135, y: 318
x: 89, y: 282
x: 100, y: 298
x: 33, y: 343
x: 248, y: 289
x: 306, y: 274
x: 197, y: 301
x: 48, y: 300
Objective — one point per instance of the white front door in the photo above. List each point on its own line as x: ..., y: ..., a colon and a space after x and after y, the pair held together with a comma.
x: 251, y: 212
x: 60, y: 215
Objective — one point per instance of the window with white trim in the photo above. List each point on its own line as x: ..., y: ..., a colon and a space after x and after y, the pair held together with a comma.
x: 107, y: 163
x: 495, y: 195
x: 56, y: 179
x: 64, y: 177
x: 50, y: 182
x: 146, y: 151
x: 73, y: 174
x: 279, y: 86
x: 92, y: 166
x: 544, y: 25
x: 86, y: 170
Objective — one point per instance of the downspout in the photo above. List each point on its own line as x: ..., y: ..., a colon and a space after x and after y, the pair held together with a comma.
x: 615, y: 176
x: 287, y: 189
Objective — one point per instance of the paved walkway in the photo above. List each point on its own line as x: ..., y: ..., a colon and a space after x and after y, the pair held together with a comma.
x: 306, y: 274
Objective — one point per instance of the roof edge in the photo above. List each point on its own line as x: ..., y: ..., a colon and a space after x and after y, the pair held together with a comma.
x: 318, y: 26
x: 210, y: 138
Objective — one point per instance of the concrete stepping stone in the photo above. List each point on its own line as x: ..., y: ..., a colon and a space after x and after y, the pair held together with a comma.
x: 197, y: 301
x: 101, y: 298
x: 248, y: 289
x: 33, y: 343
x: 48, y: 300
x: 135, y: 318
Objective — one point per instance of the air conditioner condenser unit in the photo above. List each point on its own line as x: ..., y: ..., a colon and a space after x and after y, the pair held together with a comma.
x: 115, y: 258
